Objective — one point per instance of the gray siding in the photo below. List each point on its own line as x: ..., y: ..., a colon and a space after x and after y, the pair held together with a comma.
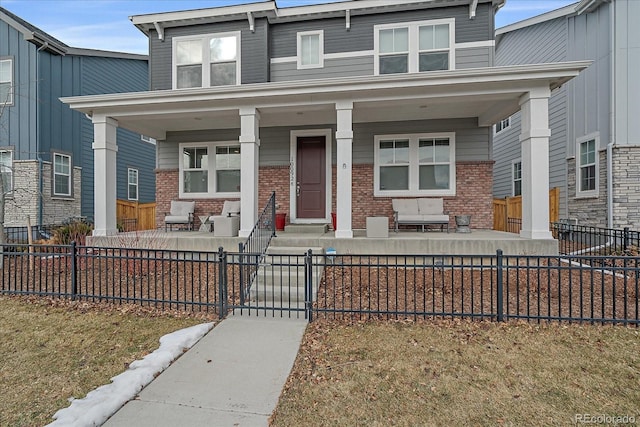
x: 343, y: 67
x: 542, y: 43
x: 476, y: 57
x: 253, y: 45
x: 472, y: 142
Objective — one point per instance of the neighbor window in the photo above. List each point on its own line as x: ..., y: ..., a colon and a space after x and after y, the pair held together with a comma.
x: 6, y: 81
x: 587, y: 167
x: 132, y: 186
x: 203, y: 61
x: 148, y: 139
x: 61, y: 175
x: 6, y: 170
x: 414, y: 47
x: 516, y: 171
x: 420, y: 164
x: 502, y: 125
x: 310, y: 49
x: 210, y: 170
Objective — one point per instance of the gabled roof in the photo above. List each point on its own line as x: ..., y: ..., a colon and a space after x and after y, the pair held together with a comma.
x: 271, y: 11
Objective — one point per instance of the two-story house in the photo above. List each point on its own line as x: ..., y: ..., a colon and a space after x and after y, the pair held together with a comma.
x: 594, y: 154
x: 337, y: 107
x: 45, y: 147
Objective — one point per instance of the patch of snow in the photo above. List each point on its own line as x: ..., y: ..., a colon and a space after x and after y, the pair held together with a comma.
x: 98, y: 405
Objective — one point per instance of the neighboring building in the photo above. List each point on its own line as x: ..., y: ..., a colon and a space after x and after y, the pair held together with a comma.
x: 45, y: 147
x: 337, y: 107
x: 594, y: 154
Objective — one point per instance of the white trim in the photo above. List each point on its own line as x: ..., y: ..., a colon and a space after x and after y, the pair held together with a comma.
x: 413, y: 53
x: 414, y: 165
x: 595, y: 136
x: 10, y: 101
x: 504, y: 127
x: 68, y: 176
x: 513, y: 178
x: 129, y: 184
x: 206, y: 60
x: 327, y: 56
x: 299, y: 35
x: 10, y: 167
x: 293, y: 156
x: 558, y: 13
x: 470, y: 45
x: 211, y: 171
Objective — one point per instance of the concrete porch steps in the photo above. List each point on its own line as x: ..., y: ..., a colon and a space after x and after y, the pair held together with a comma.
x: 307, y: 228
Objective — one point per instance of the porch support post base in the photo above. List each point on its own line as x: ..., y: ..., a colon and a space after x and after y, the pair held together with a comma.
x: 344, y: 149
x: 534, y: 141
x: 105, y: 149
x: 249, y: 153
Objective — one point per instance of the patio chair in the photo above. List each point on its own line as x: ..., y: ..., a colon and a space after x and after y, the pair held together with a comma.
x: 230, y: 209
x: 181, y: 213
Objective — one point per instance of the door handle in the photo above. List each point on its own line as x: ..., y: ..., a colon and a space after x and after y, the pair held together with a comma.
x: 298, y: 189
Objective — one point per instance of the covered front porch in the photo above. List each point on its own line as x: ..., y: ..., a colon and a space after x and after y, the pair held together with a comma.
x: 347, y: 117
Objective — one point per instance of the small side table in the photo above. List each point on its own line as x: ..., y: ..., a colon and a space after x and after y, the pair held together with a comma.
x: 205, y: 224
x: 377, y: 226
x: 226, y: 226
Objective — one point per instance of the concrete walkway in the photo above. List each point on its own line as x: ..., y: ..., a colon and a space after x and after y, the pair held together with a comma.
x: 232, y: 377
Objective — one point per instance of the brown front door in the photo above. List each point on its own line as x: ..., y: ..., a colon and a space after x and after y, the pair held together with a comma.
x: 311, y: 174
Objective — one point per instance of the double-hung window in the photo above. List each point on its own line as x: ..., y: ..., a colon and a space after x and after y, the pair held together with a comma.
x: 502, y: 125
x: 587, y: 167
x: 516, y: 177
x: 210, y: 170
x: 414, y: 47
x: 310, y: 49
x: 6, y: 170
x: 204, y: 61
x: 414, y: 165
x: 6, y: 81
x: 61, y: 175
x: 132, y: 184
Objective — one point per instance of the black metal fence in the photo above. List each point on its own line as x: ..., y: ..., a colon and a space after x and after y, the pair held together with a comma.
x: 593, y: 289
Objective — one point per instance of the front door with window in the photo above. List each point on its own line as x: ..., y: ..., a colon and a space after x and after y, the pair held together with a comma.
x: 311, y: 177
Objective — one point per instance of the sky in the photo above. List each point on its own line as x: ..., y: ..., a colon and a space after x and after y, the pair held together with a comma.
x: 105, y: 24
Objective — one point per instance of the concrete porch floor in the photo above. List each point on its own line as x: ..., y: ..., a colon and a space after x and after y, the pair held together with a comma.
x: 478, y: 242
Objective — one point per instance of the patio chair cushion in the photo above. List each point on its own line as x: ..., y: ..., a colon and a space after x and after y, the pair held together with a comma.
x: 405, y: 206
x: 230, y: 208
x: 183, y: 209
x: 431, y: 206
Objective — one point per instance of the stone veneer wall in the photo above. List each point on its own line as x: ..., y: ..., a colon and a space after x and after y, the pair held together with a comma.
x: 474, y: 182
x: 626, y: 187
x: 25, y: 199
x: 590, y: 211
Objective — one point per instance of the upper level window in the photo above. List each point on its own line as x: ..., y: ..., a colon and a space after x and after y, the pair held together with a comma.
x: 414, y: 46
x: 516, y: 174
x: 587, y: 167
x: 6, y: 81
x: 203, y: 61
x: 414, y: 165
x: 61, y: 175
x: 148, y: 139
x: 210, y: 170
x: 132, y: 184
x: 502, y: 125
x: 6, y: 170
x: 310, y: 49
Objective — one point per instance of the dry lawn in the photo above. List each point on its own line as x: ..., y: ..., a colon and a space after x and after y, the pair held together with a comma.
x: 53, y: 350
x: 460, y: 373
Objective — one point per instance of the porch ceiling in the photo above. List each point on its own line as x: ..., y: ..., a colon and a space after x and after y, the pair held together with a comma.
x: 488, y: 94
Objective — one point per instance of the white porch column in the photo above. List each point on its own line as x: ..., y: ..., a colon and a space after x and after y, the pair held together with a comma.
x: 344, y: 149
x: 249, y: 151
x: 104, y: 175
x: 534, y: 141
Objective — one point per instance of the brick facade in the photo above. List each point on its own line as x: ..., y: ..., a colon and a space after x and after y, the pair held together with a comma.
x: 25, y: 200
x: 474, y: 181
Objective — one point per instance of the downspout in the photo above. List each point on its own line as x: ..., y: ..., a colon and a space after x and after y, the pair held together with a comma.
x: 612, y: 116
x: 38, y: 157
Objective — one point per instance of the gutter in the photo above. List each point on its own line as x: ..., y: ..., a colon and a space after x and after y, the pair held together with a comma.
x: 44, y: 46
x: 612, y: 118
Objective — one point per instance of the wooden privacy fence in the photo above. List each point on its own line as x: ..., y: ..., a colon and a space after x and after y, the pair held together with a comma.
x: 510, y: 208
x: 135, y: 216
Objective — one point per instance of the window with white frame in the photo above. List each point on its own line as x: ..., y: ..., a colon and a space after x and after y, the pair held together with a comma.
x: 203, y: 61
x: 516, y: 177
x: 61, y: 175
x: 210, y: 170
x: 132, y: 184
x: 587, y: 167
x: 414, y: 165
x: 6, y: 170
x: 310, y: 49
x: 148, y: 139
x: 6, y: 81
x: 502, y: 125
x: 414, y: 47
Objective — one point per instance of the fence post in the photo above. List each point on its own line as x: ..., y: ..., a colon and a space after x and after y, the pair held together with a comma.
x: 500, y: 290
x: 308, y: 285
x: 626, y: 239
x: 74, y: 270
x: 273, y: 215
x: 241, y: 271
x: 222, y: 280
